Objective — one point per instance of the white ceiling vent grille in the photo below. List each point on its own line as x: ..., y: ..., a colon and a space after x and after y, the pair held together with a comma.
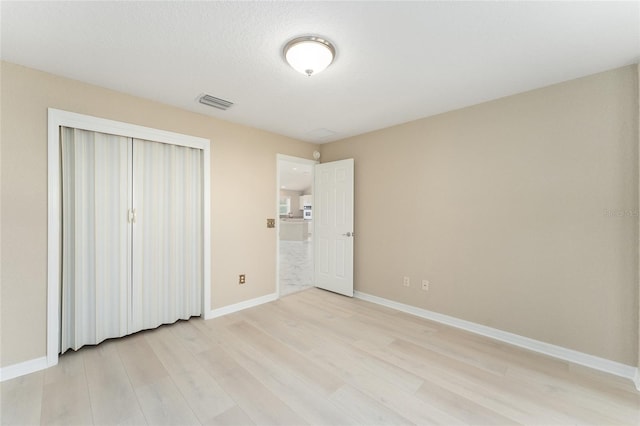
x: 212, y: 101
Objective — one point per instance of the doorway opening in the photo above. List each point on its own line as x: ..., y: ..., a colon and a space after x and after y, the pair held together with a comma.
x: 294, y: 225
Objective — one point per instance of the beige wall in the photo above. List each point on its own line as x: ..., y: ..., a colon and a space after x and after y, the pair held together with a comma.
x: 243, y: 195
x: 511, y: 209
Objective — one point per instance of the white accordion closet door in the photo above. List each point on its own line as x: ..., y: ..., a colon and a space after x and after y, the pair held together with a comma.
x: 167, y: 234
x: 95, y: 248
x: 132, y: 235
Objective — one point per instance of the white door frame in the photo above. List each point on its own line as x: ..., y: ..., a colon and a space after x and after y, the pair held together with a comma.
x: 57, y: 118
x: 299, y: 160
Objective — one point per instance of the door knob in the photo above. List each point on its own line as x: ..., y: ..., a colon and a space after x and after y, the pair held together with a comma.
x: 349, y: 234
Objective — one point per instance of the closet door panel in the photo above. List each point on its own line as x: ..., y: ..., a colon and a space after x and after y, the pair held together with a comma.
x: 95, y: 248
x: 167, y: 234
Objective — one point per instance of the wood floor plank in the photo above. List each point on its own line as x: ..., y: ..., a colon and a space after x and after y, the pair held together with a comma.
x: 381, y: 384
x: 271, y: 319
x: 201, y: 391
x: 488, y: 349
x: 258, y: 402
x: 190, y: 336
x: 313, y: 314
x: 113, y: 400
x: 281, y: 354
x: 429, y: 339
x: 315, y: 357
x: 309, y: 337
x: 306, y: 396
x: 163, y: 404
x: 21, y: 400
x: 137, y: 419
x: 327, y: 348
x: 465, y: 410
x: 486, y: 389
x: 234, y: 416
x: 610, y: 387
x: 66, y: 402
x: 69, y: 365
x: 139, y: 360
x: 374, y: 379
x: 581, y: 402
x: 366, y: 410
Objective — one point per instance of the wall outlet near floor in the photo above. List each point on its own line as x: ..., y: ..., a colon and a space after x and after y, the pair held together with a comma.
x: 406, y: 282
x: 242, y: 279
x: 425, y: 285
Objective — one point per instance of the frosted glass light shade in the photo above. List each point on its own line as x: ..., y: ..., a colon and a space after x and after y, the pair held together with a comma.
x: 309, y: 55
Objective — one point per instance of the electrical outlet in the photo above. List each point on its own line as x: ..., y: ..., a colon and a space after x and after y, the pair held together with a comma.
x: 242, y: 279
x: 425, y: 285
x: 406, y: 282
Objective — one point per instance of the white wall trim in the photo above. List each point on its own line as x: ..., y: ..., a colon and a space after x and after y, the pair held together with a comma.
x: 57, y: 118
x: 20, y: 369
x: 229, y: 309
x: 555, y: 351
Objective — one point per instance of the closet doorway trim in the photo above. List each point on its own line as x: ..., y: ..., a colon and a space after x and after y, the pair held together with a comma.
x: 58, y: 118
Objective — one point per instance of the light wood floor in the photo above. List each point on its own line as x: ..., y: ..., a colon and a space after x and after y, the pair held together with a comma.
x: 314, y: 358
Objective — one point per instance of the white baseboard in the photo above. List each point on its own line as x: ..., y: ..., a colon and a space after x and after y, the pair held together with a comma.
x: 20, y: 369
x: 214, y: 313
x: 555, y: 351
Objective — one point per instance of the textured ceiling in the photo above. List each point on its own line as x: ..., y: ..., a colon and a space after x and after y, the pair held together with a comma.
x: 396, y: 61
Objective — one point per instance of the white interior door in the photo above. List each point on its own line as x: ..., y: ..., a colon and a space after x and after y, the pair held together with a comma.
x: 333, y: 223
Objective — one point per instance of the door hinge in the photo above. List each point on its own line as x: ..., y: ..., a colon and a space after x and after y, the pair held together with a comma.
x: 131, y: 216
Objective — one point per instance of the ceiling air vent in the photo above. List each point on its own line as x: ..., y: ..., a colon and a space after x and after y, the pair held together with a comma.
x: 215, y: 102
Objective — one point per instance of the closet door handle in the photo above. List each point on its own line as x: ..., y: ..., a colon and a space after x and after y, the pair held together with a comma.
x: 131, y: 216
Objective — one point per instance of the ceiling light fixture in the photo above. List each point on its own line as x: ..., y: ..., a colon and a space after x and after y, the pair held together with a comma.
x: 309, y: 54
